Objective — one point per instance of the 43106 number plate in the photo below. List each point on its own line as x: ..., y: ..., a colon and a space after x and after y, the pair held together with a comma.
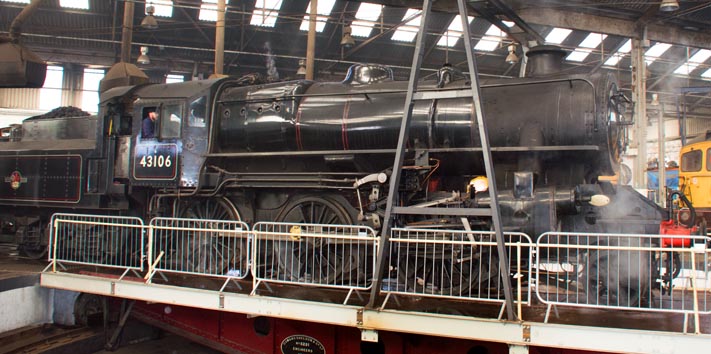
x: 155, y: 161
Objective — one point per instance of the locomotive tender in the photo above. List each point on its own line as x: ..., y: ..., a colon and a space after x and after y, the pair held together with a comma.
x: 312, y: 152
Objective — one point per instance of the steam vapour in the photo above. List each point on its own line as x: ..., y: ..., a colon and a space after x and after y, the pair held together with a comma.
x: 272, y: 73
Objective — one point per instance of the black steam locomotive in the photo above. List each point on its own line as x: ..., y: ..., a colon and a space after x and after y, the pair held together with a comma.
x: 312, y: 152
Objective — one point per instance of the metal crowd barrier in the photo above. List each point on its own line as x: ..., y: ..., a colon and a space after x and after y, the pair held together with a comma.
x: 457, y: 264
x: 337, y: 256
x: 637, y: 272
x: 216, y: 248
x: 624, y: 271
x: 106, y: 241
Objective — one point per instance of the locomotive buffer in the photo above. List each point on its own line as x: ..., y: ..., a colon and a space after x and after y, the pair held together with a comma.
x: 391, y: 207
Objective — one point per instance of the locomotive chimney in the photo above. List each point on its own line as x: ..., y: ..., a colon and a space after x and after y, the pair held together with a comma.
x: 544, y: 60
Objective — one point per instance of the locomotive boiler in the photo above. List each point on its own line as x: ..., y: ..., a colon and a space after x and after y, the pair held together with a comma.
x: 322, y: 153
x: 552, y: 136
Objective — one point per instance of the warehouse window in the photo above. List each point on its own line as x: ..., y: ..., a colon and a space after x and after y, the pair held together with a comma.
x: 323, y: 10
x: 558, y: 35
x: 265, y: 13
x: 366, y: 16
x: 208, y: 10
x: 75, y: 4
x: 624, y: 50
x: 163, y: 8
x: 586, y: 47
x: 408, y: 31
x: 492, y: 38
x: 173, y: 78
x: 90, y: 90
x: 51, y: 92
x: 454, y: 32
x: 698, y: 58
x: 652, y: 54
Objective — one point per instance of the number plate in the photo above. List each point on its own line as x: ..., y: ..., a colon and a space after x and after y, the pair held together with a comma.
x: 155, y: 161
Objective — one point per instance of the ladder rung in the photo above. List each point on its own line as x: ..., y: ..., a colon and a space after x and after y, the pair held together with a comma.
x: 443, y: 211
x: 433, y: 95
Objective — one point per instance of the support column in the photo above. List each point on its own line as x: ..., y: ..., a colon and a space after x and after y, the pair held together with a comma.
x: 639, y: 98
x: 662, y: 165
x: 220, y: 38
x: 127, y: 33
x: 72, y: 84
x: 311, y: 41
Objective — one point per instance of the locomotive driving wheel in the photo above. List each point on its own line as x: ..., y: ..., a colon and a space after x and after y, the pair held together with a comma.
x: 32, y: 246
x: 315, y: 259
x: 458, y: 270
x: 206, y: 251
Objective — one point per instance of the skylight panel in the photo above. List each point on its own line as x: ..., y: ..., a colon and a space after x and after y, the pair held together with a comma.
x: 558, y: 35
x: 75, y: 4
x: 707, y: 74
x: 655, y: 52
x: 593, y: 40
x: 579, y: 54
x: 408, y: 31
x: 18, y: 1
x: 615, y: 58
x: 163, y: 8
x: 454, y: 32
x: 323, y: 10
x: 586, y: 46
x: 491, y: 39
x: 365, y: 19
x: 208, y: 10
x: 265, y: 13
x: 694, y: 62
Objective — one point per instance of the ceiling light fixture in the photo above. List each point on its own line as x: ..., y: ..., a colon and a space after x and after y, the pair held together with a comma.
x: 302, y: 68
x: 347, y: 40
x: 143, y: 58
x: 512, y: 58
x: 669, y: 5
x: 149, y: 22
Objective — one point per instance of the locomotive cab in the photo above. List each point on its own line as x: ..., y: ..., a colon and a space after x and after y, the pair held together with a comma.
x: 172, y: 154
x: 695, y: 175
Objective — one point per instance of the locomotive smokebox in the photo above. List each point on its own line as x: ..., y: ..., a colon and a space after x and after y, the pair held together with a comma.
x: 545, y: 60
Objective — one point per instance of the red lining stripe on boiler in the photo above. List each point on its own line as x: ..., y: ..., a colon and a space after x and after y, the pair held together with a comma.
x: 344, y: 125
x: 298, y: 129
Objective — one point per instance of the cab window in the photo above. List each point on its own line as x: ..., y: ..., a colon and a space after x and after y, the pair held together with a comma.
x: 171, y: 116
x: 691, y: 161
x: 198, y: 112
x: 708, y: 160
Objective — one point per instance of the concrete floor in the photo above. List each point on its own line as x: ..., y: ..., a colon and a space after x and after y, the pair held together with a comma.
x: 12, y: 265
